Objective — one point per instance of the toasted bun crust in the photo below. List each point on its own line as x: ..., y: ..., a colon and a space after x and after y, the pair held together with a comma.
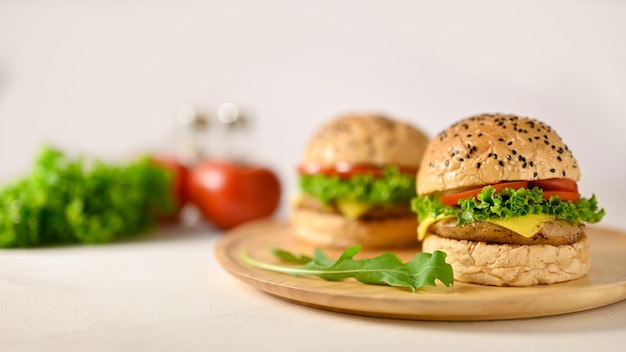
x: 512, y: 265
x: 334, y: 230
x: 490, y: 148
x: 366, y: 139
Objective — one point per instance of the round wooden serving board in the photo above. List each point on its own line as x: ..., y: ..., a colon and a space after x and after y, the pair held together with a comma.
x: 605, y: 283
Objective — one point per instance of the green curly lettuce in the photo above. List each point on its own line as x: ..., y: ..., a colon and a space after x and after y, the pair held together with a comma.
x: 509, y: 203
x: 392, y: 187
x: 67, y: 200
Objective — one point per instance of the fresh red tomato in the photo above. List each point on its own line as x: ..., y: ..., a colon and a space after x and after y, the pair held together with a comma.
x: 556, y: 184
x: 229, y: 193
x: 453, y: 198
x: 179, y: 174
x: 345, y: 170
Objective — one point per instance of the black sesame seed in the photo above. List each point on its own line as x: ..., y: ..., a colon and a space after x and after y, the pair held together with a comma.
x: 546, y: 142
x: 513, y: 151
x: 469, y: 135
x: 511, y: 142
x: 530, y: 140
x: 495, y: 156
x: 501, y: 139
x: 552, y: 170
x: 563, y: 173
x: 559, y: 158
x: 535, y: 174
x: 501, y: 163
x: 478, y: 165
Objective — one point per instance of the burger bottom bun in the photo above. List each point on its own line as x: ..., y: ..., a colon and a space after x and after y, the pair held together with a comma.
x: 334, y: 230
x: 512, y: 265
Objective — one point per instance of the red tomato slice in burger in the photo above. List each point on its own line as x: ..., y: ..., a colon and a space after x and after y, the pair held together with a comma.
x: 453, y: 198
x: 347, y: 171
x: 556, y: 184
x: 565, y: 189
x: 344, y: 170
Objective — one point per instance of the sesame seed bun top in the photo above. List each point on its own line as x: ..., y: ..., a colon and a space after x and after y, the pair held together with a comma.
x: 364, y: 139
x: 491, y: 148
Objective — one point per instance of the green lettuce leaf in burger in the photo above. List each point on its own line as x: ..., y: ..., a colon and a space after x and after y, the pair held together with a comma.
x: 499, y: 194
x: 356, y: 182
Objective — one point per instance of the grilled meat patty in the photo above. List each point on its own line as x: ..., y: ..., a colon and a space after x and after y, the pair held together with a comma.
x: 554, y: 232
x: 377, y: 212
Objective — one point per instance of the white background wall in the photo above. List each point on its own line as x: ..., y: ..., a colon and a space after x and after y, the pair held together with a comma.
x: 106, y: 77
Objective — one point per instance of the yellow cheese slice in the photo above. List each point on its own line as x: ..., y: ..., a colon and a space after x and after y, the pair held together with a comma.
x: 425, y: 224
x: 351, y: 208
x: 527, y: 225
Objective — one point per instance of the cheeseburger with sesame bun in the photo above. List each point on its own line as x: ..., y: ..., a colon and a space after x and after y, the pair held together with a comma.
x: 357, y: 179
x: 498, y: 194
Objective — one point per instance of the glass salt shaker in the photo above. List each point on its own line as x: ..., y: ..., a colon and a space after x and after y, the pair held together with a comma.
x: 236, y: 136
x: 192, y: 140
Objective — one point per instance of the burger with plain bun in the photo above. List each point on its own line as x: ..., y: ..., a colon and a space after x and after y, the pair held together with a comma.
x: 498, y: 193
x: 357, y: 179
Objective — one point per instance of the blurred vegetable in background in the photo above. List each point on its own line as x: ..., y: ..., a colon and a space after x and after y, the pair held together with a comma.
x: 232, y: 188
x: 229, y: 193
x: 64, y: 200
x: 178, y: 184
x: 71, y: 200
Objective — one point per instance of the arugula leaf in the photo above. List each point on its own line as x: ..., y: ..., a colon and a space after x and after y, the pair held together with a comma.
x: 392, y: 187
x: 73, y: 200
x: 385, y: 269
x: 291, y: 258
x: 509, y: 203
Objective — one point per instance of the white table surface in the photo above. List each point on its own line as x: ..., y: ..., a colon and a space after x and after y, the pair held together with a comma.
x: 168, y: 293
